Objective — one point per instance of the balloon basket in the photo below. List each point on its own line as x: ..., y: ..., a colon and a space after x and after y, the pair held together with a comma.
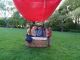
x: 38, y: 43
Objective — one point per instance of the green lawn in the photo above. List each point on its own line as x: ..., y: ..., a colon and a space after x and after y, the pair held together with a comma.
x: 65, y: 46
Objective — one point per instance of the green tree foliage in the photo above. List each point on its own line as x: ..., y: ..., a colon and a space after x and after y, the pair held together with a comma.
x: 71, y: 4
x: 16, y: 20
x: 2, y: 5
x: 2, y: 22
x: 62, y: 20
x: 76, y: 15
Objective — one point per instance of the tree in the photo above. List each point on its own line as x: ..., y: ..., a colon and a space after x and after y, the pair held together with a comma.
x: 4, y: 5
x: 76, y: 15
x: 19, y: 21
x: 63, y: 19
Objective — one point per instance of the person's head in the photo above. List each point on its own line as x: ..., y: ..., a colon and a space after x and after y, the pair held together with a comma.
x: 34, y: 27
x: 39, y: 24
x: 39, y: 27
x: 28, y: 26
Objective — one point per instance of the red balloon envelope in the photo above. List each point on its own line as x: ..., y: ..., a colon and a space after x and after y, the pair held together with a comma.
x: 36, y: 10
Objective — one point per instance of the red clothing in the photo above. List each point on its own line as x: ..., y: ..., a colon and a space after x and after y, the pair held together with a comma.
x: 48, y: 32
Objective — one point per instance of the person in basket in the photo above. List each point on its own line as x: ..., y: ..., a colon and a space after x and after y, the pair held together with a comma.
x: 39, y: 32
x: 33, y: 31
x: 28, y: 35
x: 48, y: 34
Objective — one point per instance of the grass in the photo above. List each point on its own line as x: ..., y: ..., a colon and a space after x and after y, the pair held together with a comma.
x: 65, y: 46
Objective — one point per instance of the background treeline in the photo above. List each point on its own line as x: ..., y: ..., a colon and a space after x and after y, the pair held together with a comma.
x: 16, y: 21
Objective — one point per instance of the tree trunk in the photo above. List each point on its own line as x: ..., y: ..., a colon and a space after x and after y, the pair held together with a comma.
x: 62, y: 28
x: 78, y: 19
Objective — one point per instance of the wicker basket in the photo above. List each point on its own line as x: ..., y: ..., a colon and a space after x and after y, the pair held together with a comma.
x: 38, y: 42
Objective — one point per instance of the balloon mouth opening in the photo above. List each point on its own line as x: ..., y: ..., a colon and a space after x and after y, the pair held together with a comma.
x: 38, y: 21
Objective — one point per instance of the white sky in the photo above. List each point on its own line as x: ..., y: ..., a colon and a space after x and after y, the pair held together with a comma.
x: 9, y: 12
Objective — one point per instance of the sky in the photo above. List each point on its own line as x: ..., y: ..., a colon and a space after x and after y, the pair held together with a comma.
x: 9, y: 4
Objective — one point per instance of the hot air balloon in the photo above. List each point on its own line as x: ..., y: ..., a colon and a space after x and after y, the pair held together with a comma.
x: 36, y: 10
